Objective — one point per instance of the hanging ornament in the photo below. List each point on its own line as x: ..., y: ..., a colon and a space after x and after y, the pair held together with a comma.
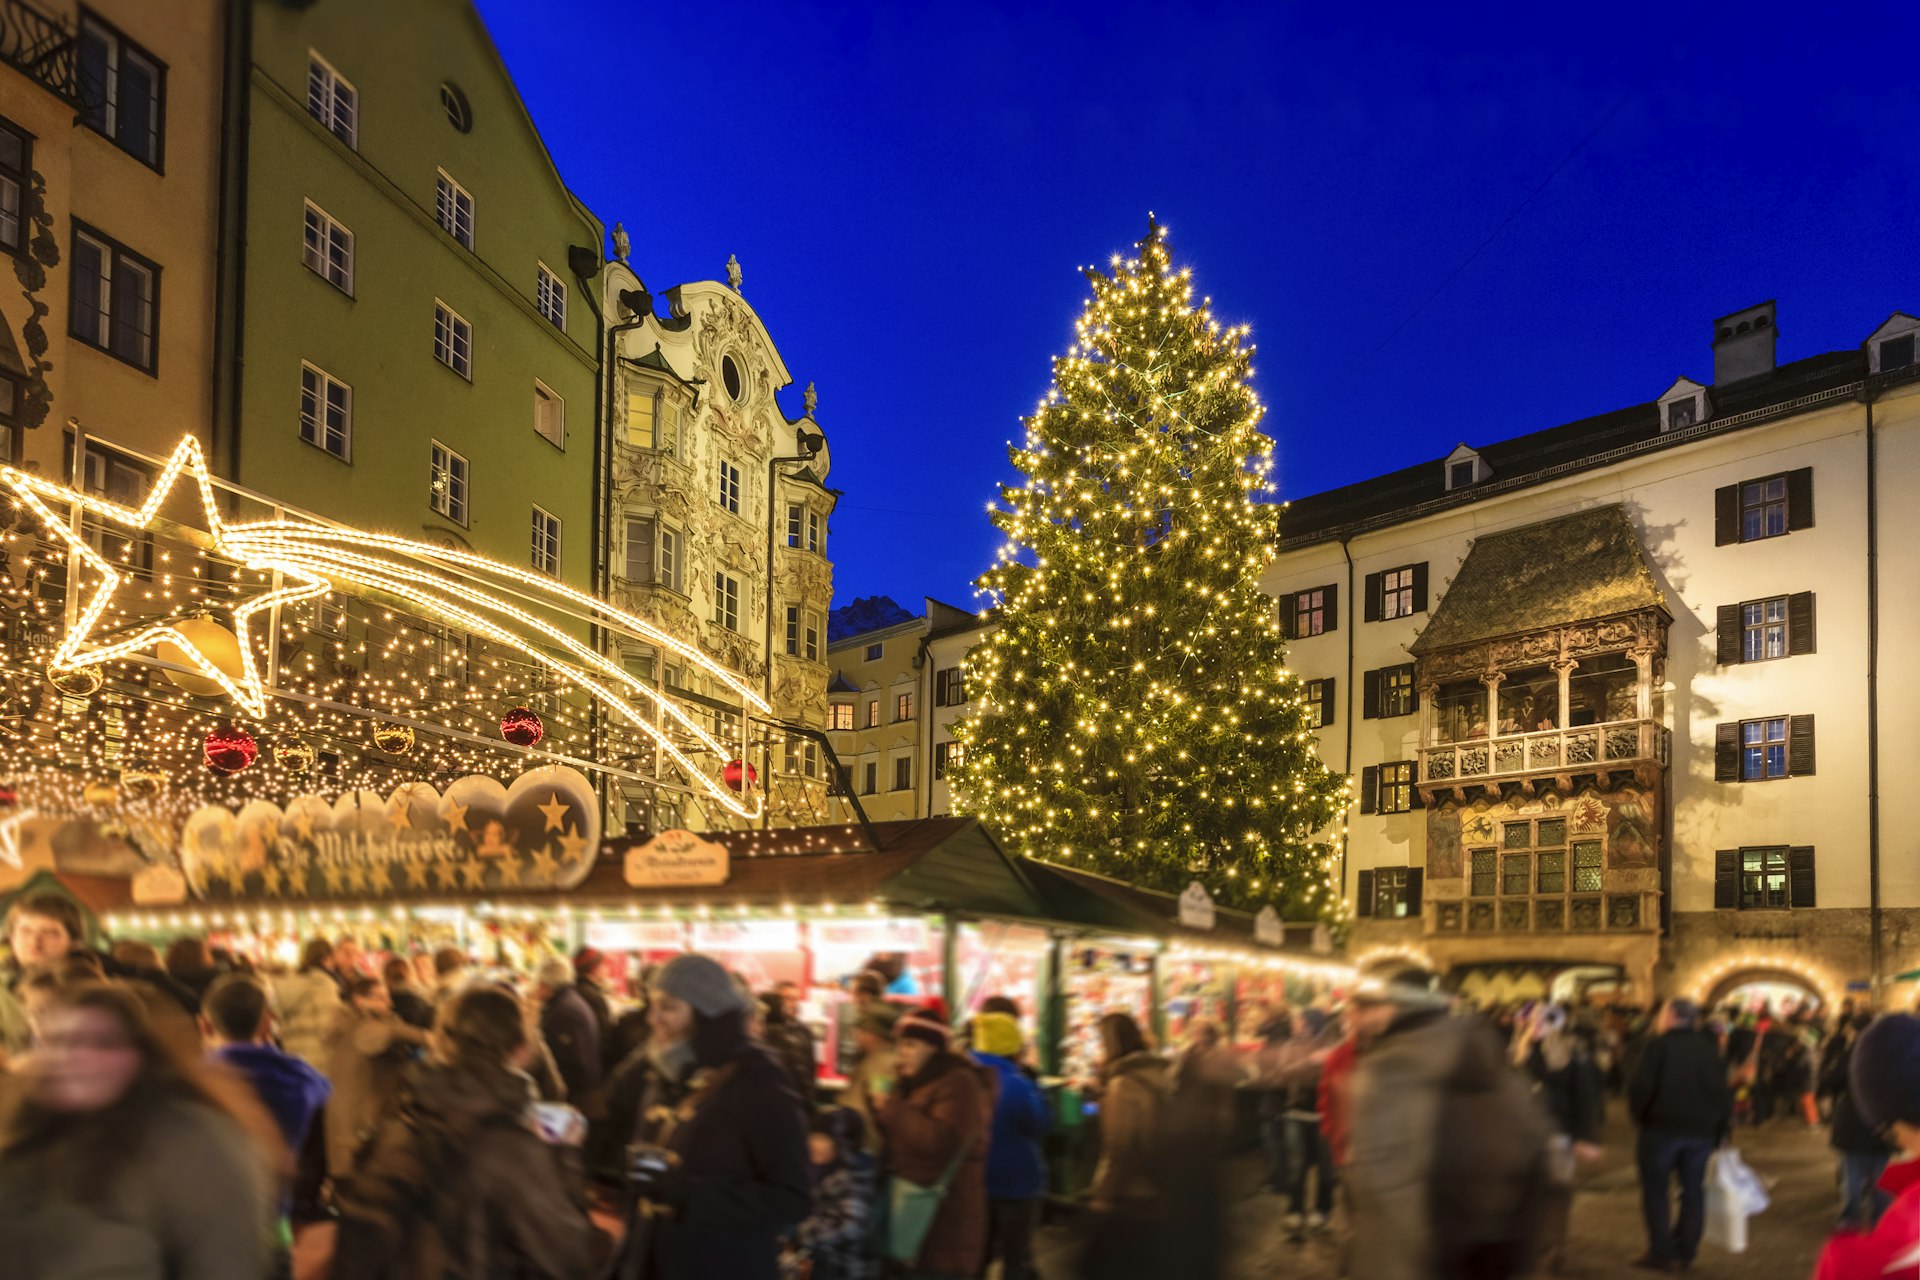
x: 216, y: 646
x: 77, y: 682
x: 8, y: 798
x: 100, y: 794
x: 230, y: 750
x: 736, y: 770
x: 294, y: 755
x: 394, y: 739
x: 141, y: 780
x: 522, y: 727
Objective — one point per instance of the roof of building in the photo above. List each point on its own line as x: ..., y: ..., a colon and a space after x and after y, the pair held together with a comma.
x: 840, y: 684
x: 1584, y: 565
x: 1574, y: 446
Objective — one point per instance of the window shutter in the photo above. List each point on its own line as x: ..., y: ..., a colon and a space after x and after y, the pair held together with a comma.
x: 1413, y: 694
x: 1373, y: 596
x: 1800, y: 623
x: 1413, y: 787
x: 1415, y: 875
x: 1420, y: 587
x: 1333, y: 608
x: 1799, y: 745
x: 1370, y: 789
x: 1289, y: 615
x: 1370, y: 696
x: 1726, y: 752
x: 1331, y: 703
x: 1726, y: 634
x: 1726, y: 879
x: 1726, y: 515
x: 1364, y: 892
x: 1800, y: 876
x: 1800, y: 499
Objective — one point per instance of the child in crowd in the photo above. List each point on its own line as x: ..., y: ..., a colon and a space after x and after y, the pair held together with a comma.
x: 835, y: 1242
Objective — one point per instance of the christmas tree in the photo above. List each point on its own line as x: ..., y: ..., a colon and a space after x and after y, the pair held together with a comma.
x: 1132, y: 714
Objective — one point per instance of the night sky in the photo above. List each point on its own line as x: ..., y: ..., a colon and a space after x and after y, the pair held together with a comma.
x: 1444, y: 223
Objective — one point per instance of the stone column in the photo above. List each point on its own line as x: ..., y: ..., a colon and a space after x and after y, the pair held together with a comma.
x: 1493, y: 683
x: 1643, y: 698
x: 1565, y: 668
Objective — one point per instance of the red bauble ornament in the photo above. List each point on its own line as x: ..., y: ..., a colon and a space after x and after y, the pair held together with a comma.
x: 8, y: 797
x: 522, y: 727
x: 231, y: 750
x: 735, y: 771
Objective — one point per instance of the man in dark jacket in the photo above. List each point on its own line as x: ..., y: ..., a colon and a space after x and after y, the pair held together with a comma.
x: 571, y: 1032
x: 1679, y: 1099
x: 1863, y: 1152
x: 789, y: 1037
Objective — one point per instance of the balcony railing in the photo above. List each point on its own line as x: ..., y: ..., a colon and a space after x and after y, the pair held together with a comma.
x: 1588, y: 747
x: 40, y: 47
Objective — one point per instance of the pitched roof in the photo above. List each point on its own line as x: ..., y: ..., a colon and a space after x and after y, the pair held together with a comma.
x: 840, y: 684
x: 1584, y: 565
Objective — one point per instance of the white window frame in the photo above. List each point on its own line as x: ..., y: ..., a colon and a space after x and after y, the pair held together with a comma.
x: 1396, y: 593
x: 450, y: 347
x: 544, y: 549
x: 120, y: 49
x: 728, y: 494
x: 331, y: 107
x: 726, y: 600
x: 550, y: 296
x: 835, y: 716
x: 319, y: 258
x: 449, y: 483
x: 667, y: 558
x: 542, y: 391
x: 448, y: 208
x: 813, y: 531
x: 325, y: 382
x: 114, y: 259
x: 796, y: 524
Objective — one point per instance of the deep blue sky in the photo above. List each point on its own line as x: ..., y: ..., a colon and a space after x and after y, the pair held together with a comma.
x: 910, y: 187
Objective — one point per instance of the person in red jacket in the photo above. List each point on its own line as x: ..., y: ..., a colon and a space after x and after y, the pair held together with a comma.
x: 1885, y: 1079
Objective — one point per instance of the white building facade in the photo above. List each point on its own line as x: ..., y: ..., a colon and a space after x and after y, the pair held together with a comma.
x: 1617, y: 696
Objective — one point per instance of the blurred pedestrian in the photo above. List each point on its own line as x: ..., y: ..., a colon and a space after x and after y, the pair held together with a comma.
x: 590, y: 980
x: 1679, y: 1099
x: 1127, y: 1234
x: 936, y: 1122
x: 718, y: 1171
x: 874, y: 1071
x: 190, y: 963
x: 450, y: 974
x: 1016, y: 1160
x: 572, y: 1034
x: 409, y: 1005
x: 1884, y: 1082
x: 1566, y: 1080
x: 125, y: 1160
x: 1290, y: 1072
x: 308, y: 999
x: 789, y: 1038
x: 1863, y: 1149
x: 369, y: 1048
x: 836, y: 1240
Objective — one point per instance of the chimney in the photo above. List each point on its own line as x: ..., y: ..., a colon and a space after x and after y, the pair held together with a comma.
x: 1743, y: 344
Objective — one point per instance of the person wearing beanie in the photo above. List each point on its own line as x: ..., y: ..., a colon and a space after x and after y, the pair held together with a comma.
x: 1016, y: 1165
x: 936, y: 1122
x: 1883, y: 1076
x: 1679, y: 1099
x: 716, y: 1170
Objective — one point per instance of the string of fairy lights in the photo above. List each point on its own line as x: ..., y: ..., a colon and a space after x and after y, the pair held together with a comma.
x: 1132, y: 712
x: 132, y: 647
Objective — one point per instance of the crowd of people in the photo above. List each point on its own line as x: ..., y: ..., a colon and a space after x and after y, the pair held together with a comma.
x: 182, y: 1116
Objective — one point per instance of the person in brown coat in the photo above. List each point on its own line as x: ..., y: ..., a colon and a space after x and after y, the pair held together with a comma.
x: 1128, y: 1236
x: 941, y: 1110
x: 368, y: 1051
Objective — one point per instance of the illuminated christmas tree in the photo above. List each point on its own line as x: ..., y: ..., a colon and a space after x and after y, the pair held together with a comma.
x: 1133, y: 713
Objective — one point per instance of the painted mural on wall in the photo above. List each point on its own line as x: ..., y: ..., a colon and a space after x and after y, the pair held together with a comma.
x: 1626, y: 819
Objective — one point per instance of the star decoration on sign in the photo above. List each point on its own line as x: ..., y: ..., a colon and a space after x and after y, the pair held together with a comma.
x: 455, y: 814
x: 416, y: 872
x: 401, y: 816
x: 509, y: 869
x: 380, y: 877
x: 556, y: 810
x: 78, y: 648
x: 574, y: 844
x: 272, y: 880
x: 474, y: 873
x: 545, y: 866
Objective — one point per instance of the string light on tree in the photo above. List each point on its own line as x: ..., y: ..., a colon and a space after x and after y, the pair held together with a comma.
x: 1136, y: 716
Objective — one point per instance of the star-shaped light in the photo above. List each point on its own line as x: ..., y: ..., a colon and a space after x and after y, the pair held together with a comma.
x: 77, y: 648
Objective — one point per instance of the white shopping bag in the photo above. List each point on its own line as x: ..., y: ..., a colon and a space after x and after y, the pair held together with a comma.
x: 1726, y: 1221
x: 1748, y: 1188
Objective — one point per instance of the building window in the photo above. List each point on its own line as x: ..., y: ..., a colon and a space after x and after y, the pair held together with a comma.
x: 667, y: 560
x: 549, y: 415
x: 1388, y: 788
x: 653, y: 553
x: 16, y: 162
x: 115, y: 299
x: 902, y: 773
x: 1764, y: 878
x: 1587, y: 867
x: 447, y: 491
x: 122, y: 90
x: 873, y: 713
x: 903, y: 708
x: 1396, y: 593
x: 793, y: 630
x: 1389, y: 692
x: 1486, y: 873
x: 796, y: 525
x: 1767, y: 507
x: 840, y: 716
x: 1319, y: 699
x: 1310, y: 613
x: 726, y: 601
x: 328, y: 249
x: 813, y: 532
x: 326, y: 412
x: 332, y: 100
x: 950, y: 687
x: 452, y: 340
x: 810, y: 638
x: 1391, y: 893
x: 1682, y: 413
x: 454, y: 103
x: 653, y: 421
x: 1763, y: 508
x: 1763, y: 629
x: 546, y: 542
x: 1763, y: 749
x: 729, y: 492
x: 550, y: 295
x: 453, y: 208
x: 947, y: 755
x: 873, y: 653
x: 872, y: 779
x: 1896, y: 353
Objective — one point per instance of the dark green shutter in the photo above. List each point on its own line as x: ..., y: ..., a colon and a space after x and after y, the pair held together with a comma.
x: 1726, y: 634
x: 1333, y: 606
x: 1726, y: 879
x: 1415, y: 877
x: 1726, y: 515
x: 1420, y: 587
x: 1800, y: 876
x: 1370, y: 695
x: 1800, y: 623
x: 1370, y: 788
x: 1364, y: 892
x: 1800, y: 499
x: 1289, y: 606
x: 1800, y: 746
x: 1413, y: 689
x: 1374, y: 581
x: 1328, y: 701
x: 1726, y: 752
x: 1413, y: 786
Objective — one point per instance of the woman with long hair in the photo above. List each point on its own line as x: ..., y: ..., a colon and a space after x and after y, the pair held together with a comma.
x: 125, y: 1159
x: 1127, y: 1236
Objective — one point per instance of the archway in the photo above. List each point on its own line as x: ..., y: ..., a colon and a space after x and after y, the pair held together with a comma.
x: 1779, y: 990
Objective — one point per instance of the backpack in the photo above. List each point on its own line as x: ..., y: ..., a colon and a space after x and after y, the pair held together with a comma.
x: 1491, y: 1176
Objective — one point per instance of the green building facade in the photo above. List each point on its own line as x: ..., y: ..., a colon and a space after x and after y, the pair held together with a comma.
x: 415, y: 345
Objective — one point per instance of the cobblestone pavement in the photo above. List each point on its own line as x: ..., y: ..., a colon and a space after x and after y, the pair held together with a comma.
x: 1605, y: 1235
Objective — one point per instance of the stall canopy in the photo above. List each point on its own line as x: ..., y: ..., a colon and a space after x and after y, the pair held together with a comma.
x: 1116, y: 907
